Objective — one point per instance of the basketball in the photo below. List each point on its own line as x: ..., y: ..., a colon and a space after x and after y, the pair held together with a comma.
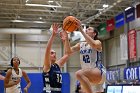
x: 70, y: 24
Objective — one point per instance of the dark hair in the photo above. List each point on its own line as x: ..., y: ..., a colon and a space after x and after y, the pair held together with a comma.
x: 12, y: 61
x: 96, y: 36
x: 95, y: 30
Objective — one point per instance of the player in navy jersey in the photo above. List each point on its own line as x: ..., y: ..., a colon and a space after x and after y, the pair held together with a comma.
x: 52, y: 76
x: 92, y: 75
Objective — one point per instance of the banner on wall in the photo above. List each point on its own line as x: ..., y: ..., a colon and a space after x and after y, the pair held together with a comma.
x: 132, y: 45
x: 123, y: 47
x: 138, y: 45
x: 110, y: 24
x: 138, y: 10
x: 132, y: 73
x: 130, y: 14
x: 112, y: 75
x: 119, y: 20
x: 102, y: 29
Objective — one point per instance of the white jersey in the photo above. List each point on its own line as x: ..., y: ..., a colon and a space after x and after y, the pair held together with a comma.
x: 14, y: 77
x: 88, y: 56
x: 91, y: 58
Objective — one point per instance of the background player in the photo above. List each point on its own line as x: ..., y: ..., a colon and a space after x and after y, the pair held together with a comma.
x: 13, y: 78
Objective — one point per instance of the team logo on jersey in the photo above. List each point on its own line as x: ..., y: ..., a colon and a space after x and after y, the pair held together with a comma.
x: 86, y: 51
x: 47, y: 80
x: 15, y: 78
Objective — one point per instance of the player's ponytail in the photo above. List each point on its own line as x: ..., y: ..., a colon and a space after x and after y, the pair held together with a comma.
x: 96, y: 36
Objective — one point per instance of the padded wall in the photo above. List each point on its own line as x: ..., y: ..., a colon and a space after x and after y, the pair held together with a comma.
x: 37, y: 83
x: 1, y: 86
x: 66, y: 83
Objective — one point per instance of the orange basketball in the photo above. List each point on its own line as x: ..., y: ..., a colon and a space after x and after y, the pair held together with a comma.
x: 70, y: 24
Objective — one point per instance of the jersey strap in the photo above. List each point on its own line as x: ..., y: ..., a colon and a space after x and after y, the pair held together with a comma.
x: 99, y: 64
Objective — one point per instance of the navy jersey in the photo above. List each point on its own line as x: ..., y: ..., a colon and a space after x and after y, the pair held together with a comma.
x: 52, y: 80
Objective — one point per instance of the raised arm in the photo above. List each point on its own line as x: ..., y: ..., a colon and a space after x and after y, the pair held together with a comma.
x: 96, y: 44
x: 67, y: 49
x: 47, y: 62
x: 65, y: 40
x: 75, y: 48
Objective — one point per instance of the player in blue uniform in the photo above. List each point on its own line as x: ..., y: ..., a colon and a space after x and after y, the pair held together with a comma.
x: 52, y: 76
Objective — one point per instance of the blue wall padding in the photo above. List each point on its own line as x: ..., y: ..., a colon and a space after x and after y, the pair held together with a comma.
x: 1, y: 86
x: 37, y: 83
x: 66, y: 83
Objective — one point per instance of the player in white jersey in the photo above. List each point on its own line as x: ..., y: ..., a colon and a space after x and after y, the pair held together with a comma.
x: 13, y: 78
x: 92, y: 72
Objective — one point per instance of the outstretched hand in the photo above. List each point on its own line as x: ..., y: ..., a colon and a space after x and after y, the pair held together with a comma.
x: 63, y: 35
x: 55, y: 27
x: 78, y: 23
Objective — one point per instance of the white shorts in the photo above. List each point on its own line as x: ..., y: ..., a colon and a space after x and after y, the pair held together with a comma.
x: 99, y: 87
x: 14, y: 89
